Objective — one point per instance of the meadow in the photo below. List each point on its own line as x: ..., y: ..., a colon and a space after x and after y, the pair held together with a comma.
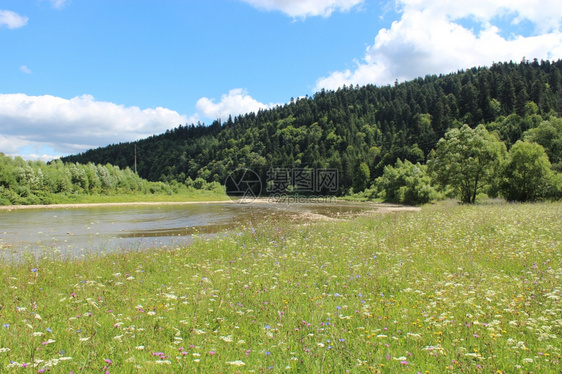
x: 459, y: 289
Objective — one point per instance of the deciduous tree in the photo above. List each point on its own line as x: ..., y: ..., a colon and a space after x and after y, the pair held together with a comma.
x: 527, y: 173
x: 467, y: 160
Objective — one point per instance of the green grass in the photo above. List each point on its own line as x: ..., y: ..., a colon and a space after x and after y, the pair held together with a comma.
x: 454, y: 289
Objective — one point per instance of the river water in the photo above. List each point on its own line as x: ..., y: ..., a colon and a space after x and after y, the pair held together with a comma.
x: 81, y: 231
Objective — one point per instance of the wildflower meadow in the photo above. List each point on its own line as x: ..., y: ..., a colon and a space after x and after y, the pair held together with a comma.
x: 452, y: 288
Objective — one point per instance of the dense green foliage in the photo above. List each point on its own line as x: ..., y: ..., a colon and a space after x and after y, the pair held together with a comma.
x: 549, y: 135
x: 34, y: 182
x: 467, y: 159
x: 359, y: 130
x: 406, y: 183
x: 527, y: 173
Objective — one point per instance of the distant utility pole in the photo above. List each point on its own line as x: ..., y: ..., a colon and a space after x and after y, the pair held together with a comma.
x: 135, y: 158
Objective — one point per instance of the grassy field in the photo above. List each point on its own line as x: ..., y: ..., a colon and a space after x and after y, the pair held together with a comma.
x: 459, y: 289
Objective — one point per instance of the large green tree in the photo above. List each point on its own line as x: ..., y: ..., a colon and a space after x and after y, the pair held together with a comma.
x: 549, y: 135
x: 527, y: 173
x: 466, y: 159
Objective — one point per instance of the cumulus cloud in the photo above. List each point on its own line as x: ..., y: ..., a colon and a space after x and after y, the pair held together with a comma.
x: 429, y: 39
x: 77, y: 124
x: 236, y: 102
x: 305, y: 8
x: 46, y: 127
x: 11, y: 19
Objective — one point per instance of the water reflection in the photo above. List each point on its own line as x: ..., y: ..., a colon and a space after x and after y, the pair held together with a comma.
x: 77, y: 231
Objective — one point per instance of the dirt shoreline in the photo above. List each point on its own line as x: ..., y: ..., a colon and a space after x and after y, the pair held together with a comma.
x: 377, y: 207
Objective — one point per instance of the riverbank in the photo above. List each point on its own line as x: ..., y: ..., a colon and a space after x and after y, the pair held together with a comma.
x: 93, y: 205
x: 449, y: 289
x: 379, y: 207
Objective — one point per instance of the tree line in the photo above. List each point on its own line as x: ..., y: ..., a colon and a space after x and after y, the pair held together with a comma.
x: 35, y: 182
x: 470, y: 162
x: 359, y: 131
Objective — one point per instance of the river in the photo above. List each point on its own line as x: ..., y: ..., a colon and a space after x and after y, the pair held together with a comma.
x: 81, y: 231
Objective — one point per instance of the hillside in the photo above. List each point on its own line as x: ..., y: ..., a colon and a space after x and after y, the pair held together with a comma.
x: 353, y: 125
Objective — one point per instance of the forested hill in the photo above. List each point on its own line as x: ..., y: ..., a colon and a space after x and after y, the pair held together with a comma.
x: 353, y: 125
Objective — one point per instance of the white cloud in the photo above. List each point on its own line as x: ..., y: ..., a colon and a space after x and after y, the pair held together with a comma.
x: 236, y: 102
x: 11, y: 19
x: 305, y: 8
x: 547, y: 15
x: 75, y: 125
x: 58, y: 4
x: 46, y: 127
x: 10, y: 145
x: 25, y: 69
x: 428, y: 39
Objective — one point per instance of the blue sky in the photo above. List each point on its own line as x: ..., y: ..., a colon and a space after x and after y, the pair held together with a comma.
x: 77, y: 74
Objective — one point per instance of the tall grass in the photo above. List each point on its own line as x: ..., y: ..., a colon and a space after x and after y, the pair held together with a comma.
x: 448, y: 289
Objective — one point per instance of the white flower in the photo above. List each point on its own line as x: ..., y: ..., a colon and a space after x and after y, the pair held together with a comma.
x: 236, y: 363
